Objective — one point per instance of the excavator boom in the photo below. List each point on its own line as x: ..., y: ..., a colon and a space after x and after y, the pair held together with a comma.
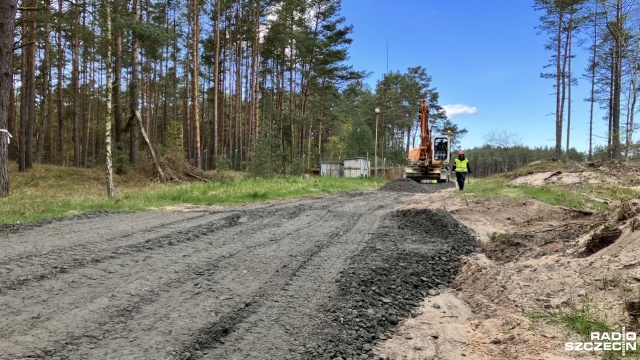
x: 425, y: 135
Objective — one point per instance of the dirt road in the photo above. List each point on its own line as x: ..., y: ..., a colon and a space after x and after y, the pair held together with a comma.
x: 322, y: 277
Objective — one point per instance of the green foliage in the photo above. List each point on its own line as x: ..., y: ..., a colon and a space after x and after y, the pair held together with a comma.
x: 121, y: 164
x: 498, y: 237
x: 582, y: 320
x: 223, y: 163
x: 174, y: 134
x: 265, y: 159
x: 360, y: 140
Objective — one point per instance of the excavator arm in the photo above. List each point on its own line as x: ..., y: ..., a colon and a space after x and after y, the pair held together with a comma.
x: 425, y: 135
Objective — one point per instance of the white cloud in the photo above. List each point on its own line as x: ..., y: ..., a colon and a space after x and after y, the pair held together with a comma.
x: 454, y: 110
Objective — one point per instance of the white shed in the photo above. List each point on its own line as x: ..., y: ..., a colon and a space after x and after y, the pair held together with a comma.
x: 356, y: 167
x: 331, y: 169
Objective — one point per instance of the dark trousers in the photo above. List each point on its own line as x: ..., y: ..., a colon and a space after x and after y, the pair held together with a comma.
x: 460, y: 177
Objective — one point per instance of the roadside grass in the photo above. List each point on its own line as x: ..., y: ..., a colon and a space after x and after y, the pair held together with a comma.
x: 48, y: 191
x: 574, y: 196
x: 595, y: 196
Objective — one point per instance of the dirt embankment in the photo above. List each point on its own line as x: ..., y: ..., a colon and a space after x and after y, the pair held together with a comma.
x: 536, y: 263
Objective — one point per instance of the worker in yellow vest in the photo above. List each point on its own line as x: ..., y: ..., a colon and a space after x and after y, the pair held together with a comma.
x: 462, y: 168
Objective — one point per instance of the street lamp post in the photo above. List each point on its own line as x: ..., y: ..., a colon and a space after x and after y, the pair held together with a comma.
x: 375, y: 150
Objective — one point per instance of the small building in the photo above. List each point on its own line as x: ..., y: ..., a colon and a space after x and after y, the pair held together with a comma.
x: 332, y: 169
x: 356, y: 167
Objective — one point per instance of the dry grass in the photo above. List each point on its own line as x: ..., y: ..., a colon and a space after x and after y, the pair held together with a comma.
x: 50, y: 191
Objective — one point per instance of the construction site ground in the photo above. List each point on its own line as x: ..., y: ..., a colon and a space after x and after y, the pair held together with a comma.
x: 537, y: 264
x: 407, y: 272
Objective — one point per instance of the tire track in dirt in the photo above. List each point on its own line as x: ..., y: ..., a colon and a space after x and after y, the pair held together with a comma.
x: 281, y: 326
x: 132, y: 302
x: 33, y: 265
x: 239, y: 300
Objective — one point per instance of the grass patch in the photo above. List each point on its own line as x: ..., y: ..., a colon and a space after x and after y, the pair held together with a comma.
x: 586, y: 196
x: 498, y: 237
x: 48, y: 191
x: 496, y: 187
x: 582, y: 321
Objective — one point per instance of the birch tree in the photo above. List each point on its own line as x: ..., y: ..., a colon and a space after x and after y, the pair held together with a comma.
x: 111, y: 190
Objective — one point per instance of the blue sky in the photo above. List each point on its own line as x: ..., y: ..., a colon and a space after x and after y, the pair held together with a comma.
x: 483, y: 56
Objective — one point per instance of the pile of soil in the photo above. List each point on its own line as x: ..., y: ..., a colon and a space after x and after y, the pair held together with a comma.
x: 415, y: 253
x: 410, y: 186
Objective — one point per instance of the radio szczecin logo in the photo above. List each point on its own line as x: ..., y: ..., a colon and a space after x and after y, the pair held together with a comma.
x: 606, y: 341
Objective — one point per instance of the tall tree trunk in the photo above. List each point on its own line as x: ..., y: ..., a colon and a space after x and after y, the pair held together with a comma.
x: 61, y: 128
x: 8, y: 10
x: 86, y: 129
x: 134, y: 89
x: 24, y: 100
x: 111, y: 190
x: 559, y: 87
x: 568, y: 54
x: 230, y: 144
x: 149, y: 97
x: 31, y: 85
x: 238, y: 86
x: 592, y: 93
x: 291, y: 122
x: 46, y: 87
x: 165, y: 88
x: 216, y: 84
x: 633, y: 94
x: 618, y: 36
x: 75, y: 80
x: 610, y: 112
x: 194, y: 97
x: 28, y: 91
x: 186, y: 120
x: 12, y: 126
x: 255, y: 71
x: 117, y: 85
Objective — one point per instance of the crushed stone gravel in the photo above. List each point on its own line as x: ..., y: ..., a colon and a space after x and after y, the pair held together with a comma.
x: 413, y: 253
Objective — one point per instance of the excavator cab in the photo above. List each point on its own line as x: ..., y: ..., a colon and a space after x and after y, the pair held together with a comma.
x: 441, y: 149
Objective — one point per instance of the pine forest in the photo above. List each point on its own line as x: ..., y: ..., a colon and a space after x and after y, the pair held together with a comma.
x: 264, y: 86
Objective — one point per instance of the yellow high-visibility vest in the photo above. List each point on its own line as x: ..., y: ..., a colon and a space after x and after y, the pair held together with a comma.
x: 461, y: 165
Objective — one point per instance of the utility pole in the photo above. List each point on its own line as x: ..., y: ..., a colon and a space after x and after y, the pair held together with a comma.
x: 375, y: 150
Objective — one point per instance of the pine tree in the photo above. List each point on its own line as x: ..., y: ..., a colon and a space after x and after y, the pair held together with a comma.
x: 8, y: 10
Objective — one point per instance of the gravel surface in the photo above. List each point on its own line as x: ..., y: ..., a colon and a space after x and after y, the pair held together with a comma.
x: 322, y: 277
x: 413, y: 254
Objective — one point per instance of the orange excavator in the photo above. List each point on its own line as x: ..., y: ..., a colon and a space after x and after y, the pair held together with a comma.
x: 430, y: 162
